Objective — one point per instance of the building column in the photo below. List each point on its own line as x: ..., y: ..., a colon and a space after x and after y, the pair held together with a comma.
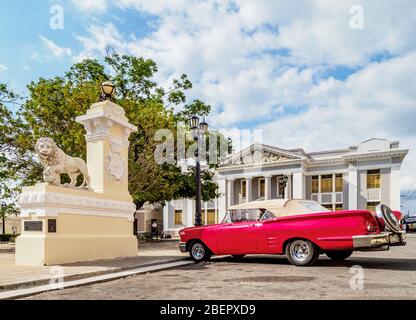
x: 188, y: 220
x: 166, y: 216
x: 222, y: 199
x: 395, y: 187
x: 352, y: 187
x: 249, y: 189
x: 267, y: 187
x: 298, y: 185
x: 230, y: 192
x: 288, y: 193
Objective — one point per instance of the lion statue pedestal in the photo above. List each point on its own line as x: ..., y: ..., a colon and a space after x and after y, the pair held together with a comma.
x: 63, y: 223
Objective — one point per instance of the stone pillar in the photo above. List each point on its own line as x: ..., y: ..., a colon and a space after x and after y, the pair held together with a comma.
x: 395, y: 187
x: 249, y: 189
x: 107, y: 136
x: 230, y: 192
x: 267, y: 187
x: 352, y: 187
x: 298, y: 185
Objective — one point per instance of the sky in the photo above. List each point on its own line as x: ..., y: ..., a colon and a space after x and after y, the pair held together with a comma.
x: 314, y: 74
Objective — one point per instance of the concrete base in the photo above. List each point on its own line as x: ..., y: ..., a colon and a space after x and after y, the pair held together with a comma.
x: 32, y: 250
x: 62, y: 225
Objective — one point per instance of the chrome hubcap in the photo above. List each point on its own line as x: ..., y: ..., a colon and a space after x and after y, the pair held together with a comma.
x: 198, y: 251
x: 299, y: 250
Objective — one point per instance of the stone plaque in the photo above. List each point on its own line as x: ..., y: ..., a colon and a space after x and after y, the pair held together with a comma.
x: 52, y: 225
x: 33, y: 225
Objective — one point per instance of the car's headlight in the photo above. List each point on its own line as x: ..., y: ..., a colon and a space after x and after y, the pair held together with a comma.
x: 181, y: 233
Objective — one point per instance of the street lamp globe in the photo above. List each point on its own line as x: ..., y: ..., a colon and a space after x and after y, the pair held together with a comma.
x: 107, y: 90
x: 3, y: 205
x: 193, y: 122
x: 203, y: 126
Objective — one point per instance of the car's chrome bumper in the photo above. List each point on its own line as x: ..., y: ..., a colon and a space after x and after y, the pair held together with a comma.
x: 182, y: 246
x: 379, y: 240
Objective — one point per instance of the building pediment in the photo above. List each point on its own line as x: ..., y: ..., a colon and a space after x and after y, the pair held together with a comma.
x: 258, y: 154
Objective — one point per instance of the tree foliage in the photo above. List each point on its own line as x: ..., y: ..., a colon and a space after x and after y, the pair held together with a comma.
x: 54, y: 103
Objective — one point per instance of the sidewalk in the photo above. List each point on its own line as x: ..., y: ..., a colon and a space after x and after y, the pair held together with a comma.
x: 17, y: 277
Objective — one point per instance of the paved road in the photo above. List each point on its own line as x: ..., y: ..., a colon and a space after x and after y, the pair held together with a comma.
x: 387, y: 275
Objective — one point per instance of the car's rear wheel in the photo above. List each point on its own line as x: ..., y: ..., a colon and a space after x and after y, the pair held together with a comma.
x: 199, y: 252
x: 302, y: 252
x: 238, y: 256
x: 339, y: 255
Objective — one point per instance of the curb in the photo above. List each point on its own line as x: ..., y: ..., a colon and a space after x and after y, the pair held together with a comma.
x: 46, y: 280
x: 20, y: 293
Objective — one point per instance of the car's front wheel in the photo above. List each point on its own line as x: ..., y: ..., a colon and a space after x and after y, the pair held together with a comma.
x: 199, y: 252
x: 302, y: 252
x: 339, y: 255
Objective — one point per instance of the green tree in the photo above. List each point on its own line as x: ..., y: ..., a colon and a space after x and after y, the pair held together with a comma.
x: 53, y: 104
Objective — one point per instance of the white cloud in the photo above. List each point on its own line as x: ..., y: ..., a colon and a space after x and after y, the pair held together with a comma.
x: 263, y: 62
x: 3, y: 68
x: 56, y: 50
x: 91, y: 5
x: 98, y: 39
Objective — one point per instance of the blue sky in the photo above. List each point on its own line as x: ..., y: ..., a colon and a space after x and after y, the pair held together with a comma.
x: 24, y: 23
x: 315, y: 74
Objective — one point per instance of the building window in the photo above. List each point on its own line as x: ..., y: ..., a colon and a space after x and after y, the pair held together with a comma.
x: 326, y: 183
x: 338, y: 182
x: 243, y: 188
x: 261, y: 187
x: 373, y: 179
x: 338, y: 206
x: 211, y: 216
x: 371, y: 206
x: 178, y: 217
x: 328, y: 206
x: 315, y: 184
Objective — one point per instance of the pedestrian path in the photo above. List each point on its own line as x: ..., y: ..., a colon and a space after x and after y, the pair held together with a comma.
x: 14, y: 277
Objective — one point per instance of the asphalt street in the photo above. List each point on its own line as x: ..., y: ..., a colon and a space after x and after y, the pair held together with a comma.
x: 365, y: 275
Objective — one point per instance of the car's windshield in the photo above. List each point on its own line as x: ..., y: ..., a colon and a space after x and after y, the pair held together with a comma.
x: 243, y: 215
x: 267, y: 215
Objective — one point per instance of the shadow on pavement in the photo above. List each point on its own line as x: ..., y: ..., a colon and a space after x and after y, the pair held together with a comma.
x: 365, y: 262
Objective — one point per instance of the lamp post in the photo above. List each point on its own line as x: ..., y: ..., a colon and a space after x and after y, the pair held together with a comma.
x: 282, y: 184
x: 107, y: 90
x: 198, y: 133
x: 3, y: 215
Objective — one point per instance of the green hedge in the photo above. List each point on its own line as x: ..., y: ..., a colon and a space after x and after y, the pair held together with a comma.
x: 8, y: 237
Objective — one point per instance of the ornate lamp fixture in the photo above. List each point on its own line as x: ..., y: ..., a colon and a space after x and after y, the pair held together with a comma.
x: 107, y: 90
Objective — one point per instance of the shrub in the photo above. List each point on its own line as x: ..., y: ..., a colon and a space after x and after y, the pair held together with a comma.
x: 8, y: 237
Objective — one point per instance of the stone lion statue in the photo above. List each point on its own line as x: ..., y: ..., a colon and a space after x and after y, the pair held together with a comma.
x: 56, y: 162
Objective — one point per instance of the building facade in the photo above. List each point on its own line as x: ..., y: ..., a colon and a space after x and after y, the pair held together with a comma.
x: 356, y: 177
x: 13, y: 225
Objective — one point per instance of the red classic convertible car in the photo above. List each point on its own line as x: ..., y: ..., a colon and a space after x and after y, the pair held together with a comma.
x: 301, y: 229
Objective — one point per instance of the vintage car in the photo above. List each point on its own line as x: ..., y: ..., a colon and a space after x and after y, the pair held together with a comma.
x: 301, y: 229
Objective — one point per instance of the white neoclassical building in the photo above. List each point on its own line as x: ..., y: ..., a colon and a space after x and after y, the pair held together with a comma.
x: 356, y: 177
